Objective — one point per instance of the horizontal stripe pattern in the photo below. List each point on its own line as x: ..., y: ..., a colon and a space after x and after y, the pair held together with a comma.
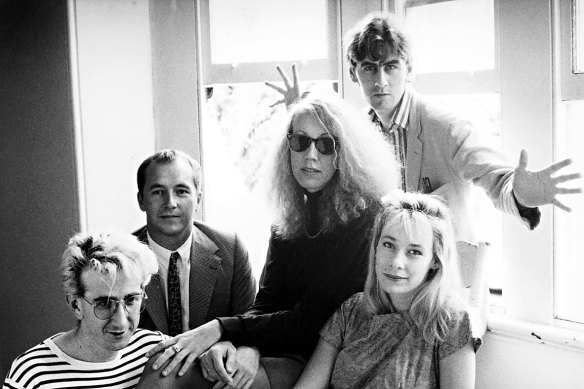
x: 45, y: 366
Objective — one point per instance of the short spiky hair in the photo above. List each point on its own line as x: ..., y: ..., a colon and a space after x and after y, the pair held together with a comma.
x: 441, y: 290
x: 376, y: 36
x: 168, y: 156
x: 105, y: 252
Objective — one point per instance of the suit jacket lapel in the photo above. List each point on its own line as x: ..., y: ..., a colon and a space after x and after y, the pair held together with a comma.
x: 156, y: 304
x: 415, y: 149
x: 205, y: 265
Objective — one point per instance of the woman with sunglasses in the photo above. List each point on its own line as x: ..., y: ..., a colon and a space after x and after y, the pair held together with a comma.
x: 330, y: 170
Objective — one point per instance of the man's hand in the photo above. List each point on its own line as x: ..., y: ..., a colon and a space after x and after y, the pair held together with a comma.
x: 217, y: 364
x: 533, y: 189
x: 185, y: 347
x: 247, y: 363
x: 292, y: 92
x: 230, y: 367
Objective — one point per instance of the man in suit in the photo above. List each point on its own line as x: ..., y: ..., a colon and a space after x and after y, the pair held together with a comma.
x: 203, y: 273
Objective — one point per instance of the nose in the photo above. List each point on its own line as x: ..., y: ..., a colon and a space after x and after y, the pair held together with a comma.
x: 399, y: 261
x: 311, y: 151
x: 170, y: 200
x: 381, y: 79
x: 120, y: 316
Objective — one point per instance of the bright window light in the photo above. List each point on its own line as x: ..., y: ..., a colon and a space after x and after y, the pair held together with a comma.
x: 452, y: 36
x: 267, y: 30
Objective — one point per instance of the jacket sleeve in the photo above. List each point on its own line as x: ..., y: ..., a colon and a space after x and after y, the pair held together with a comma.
x: 277, y: 325
x: 243, y: 283
x: 475, y: 159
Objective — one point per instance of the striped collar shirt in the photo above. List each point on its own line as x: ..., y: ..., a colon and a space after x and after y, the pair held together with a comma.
x: 396, y: 133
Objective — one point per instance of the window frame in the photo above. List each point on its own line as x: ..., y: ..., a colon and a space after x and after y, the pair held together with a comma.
x: 572, y: 84
x: 317, y: 69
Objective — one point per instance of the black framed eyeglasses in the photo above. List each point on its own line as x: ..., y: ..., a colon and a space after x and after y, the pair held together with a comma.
x: 106, y: 308
x: 299, y: 143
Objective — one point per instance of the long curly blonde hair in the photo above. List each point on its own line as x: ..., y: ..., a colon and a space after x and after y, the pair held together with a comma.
x: 366, y: 168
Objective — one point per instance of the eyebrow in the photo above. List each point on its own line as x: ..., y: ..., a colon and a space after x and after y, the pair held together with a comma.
x: 416, y: 245
x: 390, y: 62
x: 104, y: 298
x: 323, y: 134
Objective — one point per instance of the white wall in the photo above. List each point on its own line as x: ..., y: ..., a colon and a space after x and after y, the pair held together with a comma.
x: 510, y: 363
x: 114, y: 75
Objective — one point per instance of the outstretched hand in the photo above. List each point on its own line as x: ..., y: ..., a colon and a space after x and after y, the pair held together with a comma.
x: 533, y: 189
x: 185, y: 348
x: 292, y: 92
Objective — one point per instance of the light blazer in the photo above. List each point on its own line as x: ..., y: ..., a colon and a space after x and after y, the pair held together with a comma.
x: 453, y: 155
x: 220, y: 283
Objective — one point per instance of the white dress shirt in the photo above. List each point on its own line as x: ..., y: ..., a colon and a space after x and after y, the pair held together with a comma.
x: 184, y: 271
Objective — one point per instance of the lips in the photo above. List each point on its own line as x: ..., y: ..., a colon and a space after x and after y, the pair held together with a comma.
x: 396, y: 278
x: 310, y: 170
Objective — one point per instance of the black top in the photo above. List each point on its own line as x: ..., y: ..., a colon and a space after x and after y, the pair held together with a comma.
x: 303, y: 283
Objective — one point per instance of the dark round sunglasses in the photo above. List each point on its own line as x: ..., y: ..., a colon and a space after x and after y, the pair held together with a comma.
x: 299, y: 143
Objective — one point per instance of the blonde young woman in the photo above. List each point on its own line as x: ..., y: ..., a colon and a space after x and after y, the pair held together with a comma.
x: 409, y: 328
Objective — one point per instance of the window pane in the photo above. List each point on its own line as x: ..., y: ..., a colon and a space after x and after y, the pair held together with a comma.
x: 569, y: 232
x: 452, y: 36
x: 578, y: 36
x: 268, y: 30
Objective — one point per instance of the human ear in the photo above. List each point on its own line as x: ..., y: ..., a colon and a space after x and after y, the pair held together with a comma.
x: 140, y: 201
x: 74, y: 305
x: 353, y: 75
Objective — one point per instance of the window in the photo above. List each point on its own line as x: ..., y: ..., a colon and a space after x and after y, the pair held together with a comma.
x: 569, y: 227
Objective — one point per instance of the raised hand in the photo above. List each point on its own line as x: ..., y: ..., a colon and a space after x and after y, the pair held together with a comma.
x: 292, y: 92
x: 533, y: 189
x: 185, y: 348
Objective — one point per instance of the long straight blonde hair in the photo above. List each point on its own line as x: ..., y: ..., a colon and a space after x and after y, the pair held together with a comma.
x: 439, y: 299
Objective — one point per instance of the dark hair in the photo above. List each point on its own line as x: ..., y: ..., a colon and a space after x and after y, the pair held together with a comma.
x: 168, y: 156
x: 377, y: 36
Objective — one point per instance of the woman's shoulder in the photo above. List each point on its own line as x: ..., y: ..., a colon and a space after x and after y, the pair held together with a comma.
x: 459, y: 331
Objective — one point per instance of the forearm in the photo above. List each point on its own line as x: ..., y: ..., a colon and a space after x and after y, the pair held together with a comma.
x: 317, y: 373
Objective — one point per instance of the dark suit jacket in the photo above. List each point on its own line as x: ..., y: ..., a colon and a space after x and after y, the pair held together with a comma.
x: 221, y: 282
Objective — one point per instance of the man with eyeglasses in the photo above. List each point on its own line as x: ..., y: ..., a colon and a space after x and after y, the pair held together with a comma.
x: 104, y: 276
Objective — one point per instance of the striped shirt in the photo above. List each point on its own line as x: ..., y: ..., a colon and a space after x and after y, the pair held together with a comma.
x: 46, y: 366
x: 396, y: 133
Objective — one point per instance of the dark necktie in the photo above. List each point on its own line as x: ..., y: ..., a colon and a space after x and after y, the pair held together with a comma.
x: 174, y: 304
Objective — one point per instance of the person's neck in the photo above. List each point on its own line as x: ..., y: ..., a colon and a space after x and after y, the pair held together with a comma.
x: 314, y: 225
x: 171, y: 243
x: 401, y: 303
x: 385, y: 117
x: 80, y: 346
